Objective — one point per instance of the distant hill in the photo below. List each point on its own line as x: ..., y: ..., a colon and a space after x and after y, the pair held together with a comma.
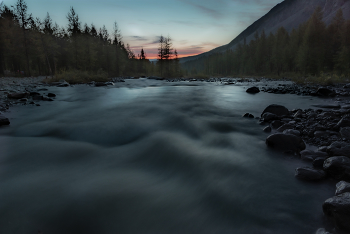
x: 288, y: 14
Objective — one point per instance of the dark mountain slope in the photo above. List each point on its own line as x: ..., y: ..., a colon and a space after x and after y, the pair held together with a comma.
x: 288, y: 14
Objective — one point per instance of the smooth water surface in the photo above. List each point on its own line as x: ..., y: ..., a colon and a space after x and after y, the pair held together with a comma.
x: 152, y: 159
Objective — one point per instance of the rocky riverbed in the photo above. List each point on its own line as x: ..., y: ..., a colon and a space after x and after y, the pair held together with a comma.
x: 319, y: 136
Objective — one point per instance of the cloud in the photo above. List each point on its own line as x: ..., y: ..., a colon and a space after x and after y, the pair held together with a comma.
x: 206, y: 10
x: 138, y: 38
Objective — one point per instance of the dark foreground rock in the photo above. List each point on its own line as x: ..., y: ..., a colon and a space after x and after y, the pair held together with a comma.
x: 18, y: 95
x: 307, y: 173
x: 342, y: 187
x: 338, y: 209
x: 310, y: 155
x: 4, y: 120
x: 338, y: 167
x: 285, y: 142
x: 253, y: 90
x: 276, y: 110
x: 339, y: 148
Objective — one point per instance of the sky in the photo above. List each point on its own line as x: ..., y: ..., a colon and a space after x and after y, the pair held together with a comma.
x: 195, y: 26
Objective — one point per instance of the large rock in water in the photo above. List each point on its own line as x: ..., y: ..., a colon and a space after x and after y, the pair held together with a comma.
x: 342, y: 187
x: 339, y: 148
x: 18, y: 95
x: 4, y: 120
x: 307, y: 173
x: 338, y: 167
x: 338, y: 209
x: 253, y: 90
x: 324, y: 92
x: 276, y: 109
x: 285, y: 142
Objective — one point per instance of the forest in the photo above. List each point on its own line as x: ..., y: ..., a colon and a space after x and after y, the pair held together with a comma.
x: 30, y: 46
x: 312, y: 49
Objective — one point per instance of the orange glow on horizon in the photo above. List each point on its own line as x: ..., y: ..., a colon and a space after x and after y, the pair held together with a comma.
x: 180, y: 56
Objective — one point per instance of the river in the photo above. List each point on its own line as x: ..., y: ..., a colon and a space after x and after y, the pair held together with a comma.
x: 147, y: 157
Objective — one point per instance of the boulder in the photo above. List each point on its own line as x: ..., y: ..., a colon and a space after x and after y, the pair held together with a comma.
x: 253, y: 90
x: 342, y: 187
x: 269, y: 117
x: 322, y: 231
x: 307, y: 173
x: 338, y: 209
x: 267, y: 129
x: 285, y: 127
x: 324, y: 92
x: 345, y: 132
x: 328, y: 106
x: 339, y: 148
x: 38, y: 97
x: 51, y: 95
x: 18, y: 95
x: 344, y: 122
x: 4, y: 120
x: 338, y: 167
x: 291, y: 131
x: 318, y: 162
x: 248, y: 115
x: 276, y: 124
x: 285, y: 142
x: 310, y: 155
x: 276, y: 109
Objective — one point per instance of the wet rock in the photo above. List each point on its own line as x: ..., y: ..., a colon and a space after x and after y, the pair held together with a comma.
x: 18, y: 95
x: 342, y: 187
x: 276, y: 110
x: 267, y: 129
x: 291, y: 131
x: 298, y: 114
x: 345, y: 132
x: 47, y: 99
x: 253, y: 90
x: 310, y: 155
x: 34, y: 93
x: 339, y: 148
x: 285, y: 127
x: 4, y: 120
x: 327, y: 106
x: 269, y: 117
x: 63, y: 83
x: 338, y: 167
x: 320, y: 134
x: 38, y: 97
x: 318, y: 162
x: 344, y: 122
x: 323, y: 148
x: 307, y: 173
x: 285, y: 142
x: 51, y: 95
x: 248, y: 115
x: 99, y: 84
x: 276, y: 124
x: 337, y: 208
x: 322, y: 231
x: 324, y: 92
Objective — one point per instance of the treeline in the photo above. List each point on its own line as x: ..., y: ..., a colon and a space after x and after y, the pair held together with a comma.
x: 30, y: 46
x: 311, y: 49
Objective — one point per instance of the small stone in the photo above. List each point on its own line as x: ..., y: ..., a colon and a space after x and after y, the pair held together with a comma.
x: 276, y: 110
x: 267, y: 129
x: 307, y: 173
x: 51, y: 95
x: 4, y: 120
x: 338, y: 167
x: 342, y: 187
x: 285, y: 142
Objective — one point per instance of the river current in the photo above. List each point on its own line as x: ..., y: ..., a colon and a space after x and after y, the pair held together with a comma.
x: 147, y: 157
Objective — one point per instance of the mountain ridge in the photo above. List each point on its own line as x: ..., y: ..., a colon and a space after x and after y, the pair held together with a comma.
x: 288, y: 14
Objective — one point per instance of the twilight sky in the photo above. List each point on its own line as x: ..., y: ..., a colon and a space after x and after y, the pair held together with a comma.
x: 195, y: 26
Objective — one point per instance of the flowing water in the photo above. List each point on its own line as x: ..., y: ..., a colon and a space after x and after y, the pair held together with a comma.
x: 152, y: 158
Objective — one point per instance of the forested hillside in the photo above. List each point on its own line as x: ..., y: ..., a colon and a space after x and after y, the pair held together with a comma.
x: 310, y: 49
x: 30, y: 46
